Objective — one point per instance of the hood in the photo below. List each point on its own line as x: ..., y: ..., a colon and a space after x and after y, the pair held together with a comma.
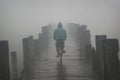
x: 59, y: 25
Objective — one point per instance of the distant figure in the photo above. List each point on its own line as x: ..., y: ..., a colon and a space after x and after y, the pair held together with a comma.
x: 60, y: 37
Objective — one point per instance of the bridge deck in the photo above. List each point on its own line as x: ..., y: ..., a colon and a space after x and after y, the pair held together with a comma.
x: 46, y: 66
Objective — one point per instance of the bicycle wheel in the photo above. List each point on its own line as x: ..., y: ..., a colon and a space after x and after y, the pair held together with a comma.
x: 61, y: 54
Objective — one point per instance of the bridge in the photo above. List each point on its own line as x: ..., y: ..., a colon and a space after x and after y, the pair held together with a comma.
x: 80, y: 62
x: 74, y: 66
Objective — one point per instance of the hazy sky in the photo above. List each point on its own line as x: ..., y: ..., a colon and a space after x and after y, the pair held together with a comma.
x: 21, y: 18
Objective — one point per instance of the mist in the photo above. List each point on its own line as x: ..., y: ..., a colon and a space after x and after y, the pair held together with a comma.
x: 21, y: 18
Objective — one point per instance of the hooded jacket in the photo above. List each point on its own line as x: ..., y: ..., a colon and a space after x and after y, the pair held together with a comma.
x: 60, y: 33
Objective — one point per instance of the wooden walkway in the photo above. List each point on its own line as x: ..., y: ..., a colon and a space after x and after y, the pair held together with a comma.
x: 46, y: 66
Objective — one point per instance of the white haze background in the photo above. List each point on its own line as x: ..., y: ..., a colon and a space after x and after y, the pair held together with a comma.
x: 21, y: 18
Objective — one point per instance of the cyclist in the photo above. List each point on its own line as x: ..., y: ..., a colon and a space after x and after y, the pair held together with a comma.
x: 60, y: 37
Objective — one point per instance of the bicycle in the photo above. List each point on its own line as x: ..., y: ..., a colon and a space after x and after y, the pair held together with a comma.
x: 60, y: 51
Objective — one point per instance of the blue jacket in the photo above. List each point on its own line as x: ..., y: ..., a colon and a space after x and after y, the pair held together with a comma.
x: 60, y: 34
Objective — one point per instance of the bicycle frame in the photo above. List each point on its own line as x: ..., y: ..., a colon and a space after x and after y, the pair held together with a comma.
x: 60, y: 53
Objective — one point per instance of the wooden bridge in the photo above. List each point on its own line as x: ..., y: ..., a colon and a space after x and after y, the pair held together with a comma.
x: 74, y: 66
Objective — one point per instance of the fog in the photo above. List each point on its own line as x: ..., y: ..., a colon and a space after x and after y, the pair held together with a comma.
x: 21, y: 18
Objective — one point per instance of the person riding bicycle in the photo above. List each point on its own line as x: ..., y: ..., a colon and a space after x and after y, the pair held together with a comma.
x: 60, y: 37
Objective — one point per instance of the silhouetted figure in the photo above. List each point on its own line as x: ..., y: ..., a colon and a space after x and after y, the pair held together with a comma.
x: 60, y: 37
